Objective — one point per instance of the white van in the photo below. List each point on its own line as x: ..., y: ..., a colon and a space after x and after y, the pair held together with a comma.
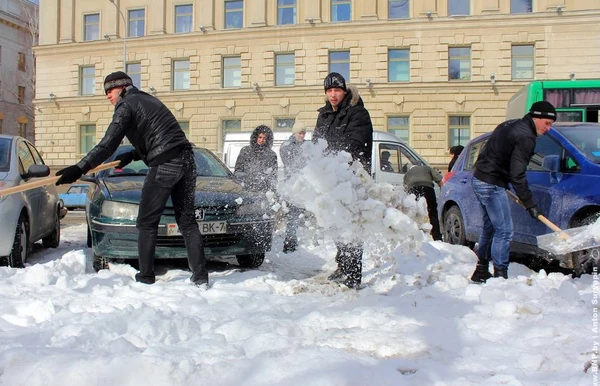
x: 401, y: 155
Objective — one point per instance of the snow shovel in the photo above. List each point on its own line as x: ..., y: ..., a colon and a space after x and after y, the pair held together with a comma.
x: 561, y: 241
x: 49, y: 180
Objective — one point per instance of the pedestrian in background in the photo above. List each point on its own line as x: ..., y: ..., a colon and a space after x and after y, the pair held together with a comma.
x: 454, y: 152
x: 345, y: 124
x: 159, y: 141
x: 256, y: 166
x: 294, y: 160
x: 419, y: 180
x: 503, y: 162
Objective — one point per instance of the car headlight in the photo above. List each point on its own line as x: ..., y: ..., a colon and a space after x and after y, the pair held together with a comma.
x: 251, y: 208
x: 119, y: 210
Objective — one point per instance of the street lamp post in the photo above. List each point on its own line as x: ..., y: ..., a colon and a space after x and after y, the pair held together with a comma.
x: 124, y: 35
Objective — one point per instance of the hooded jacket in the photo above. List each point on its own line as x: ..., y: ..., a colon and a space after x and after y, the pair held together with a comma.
x: 292, y: 156
x: 256, y: 165
x: 505, y: 156
x: 349, y: 128
x: 147, y: 123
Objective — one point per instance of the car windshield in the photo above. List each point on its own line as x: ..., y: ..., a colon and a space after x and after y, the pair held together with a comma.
x: 4, y: 154
x: 586, y: 139
x: 207, y: 165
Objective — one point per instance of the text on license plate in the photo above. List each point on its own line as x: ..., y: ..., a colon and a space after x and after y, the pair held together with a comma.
x: 206, y: 228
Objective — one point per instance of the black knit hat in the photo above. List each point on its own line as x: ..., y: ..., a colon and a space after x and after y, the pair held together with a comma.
x: 116, y: 79
x: 543, y: 109
x: 334, y: 80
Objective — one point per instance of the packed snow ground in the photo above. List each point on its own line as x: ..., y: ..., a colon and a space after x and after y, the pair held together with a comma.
x: 417, y: 321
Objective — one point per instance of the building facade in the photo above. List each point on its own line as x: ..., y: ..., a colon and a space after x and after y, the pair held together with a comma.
x: 434, y: 72
x: 18, y: 33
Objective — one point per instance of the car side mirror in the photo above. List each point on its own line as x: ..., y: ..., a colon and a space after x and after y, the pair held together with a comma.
x: 89, y: 178
x: 37, y: 171
x: 552, y: 164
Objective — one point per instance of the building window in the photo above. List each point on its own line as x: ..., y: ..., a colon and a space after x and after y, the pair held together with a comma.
x: 21, y: 95
x: 285, y: 69
x: 185, y: 126
x: 459, y: 130
x: 232, y: 71
x: 341, y: 10
x: 87, y: 138
x: 22, y: 129
x: 134, y: 70
x: 137, y: 23
x: 399, y: 126
x: 230, y: 126
x: 286, y: 12
x: 398, y: 9
x: 521, y: 6
x: 183, y: 18
x: 91, y: 27
x: 234, y: 14
x: 87, y: 80
x: 284, y: 124
x: 459, y: 63
x: 21, y: 64
x: 399, y: 65
x: 522, y: 62
x: 181, y: 75
x: 339, y: 61
x: 458, y: 7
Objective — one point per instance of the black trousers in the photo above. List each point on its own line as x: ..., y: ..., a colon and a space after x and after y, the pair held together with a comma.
x: 176, y: 179
x: 429, y: 194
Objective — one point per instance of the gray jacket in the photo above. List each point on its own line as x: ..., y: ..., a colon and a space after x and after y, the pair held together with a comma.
x: 422, y: 175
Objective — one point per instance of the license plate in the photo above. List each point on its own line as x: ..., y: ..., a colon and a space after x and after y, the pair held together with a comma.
x: 206, y: 228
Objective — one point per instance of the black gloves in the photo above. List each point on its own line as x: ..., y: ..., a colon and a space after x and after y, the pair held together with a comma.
x: 126, y: 159
x: 69, y: 174
x: 534, y: 212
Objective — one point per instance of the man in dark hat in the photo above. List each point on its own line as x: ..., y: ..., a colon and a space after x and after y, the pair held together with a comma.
x: 346, y: 126
x: 503, y: 161
x: 159, y: 141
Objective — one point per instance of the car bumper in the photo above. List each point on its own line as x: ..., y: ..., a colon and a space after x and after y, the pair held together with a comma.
x: 119, y: 241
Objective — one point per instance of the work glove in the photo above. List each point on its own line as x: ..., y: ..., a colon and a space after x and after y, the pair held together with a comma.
x: 69, y: 175
x: 126, y: 158
x: 534, y: 212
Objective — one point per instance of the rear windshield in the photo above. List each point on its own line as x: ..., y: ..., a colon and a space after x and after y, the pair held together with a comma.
x: 207, y: 165
x: 4, y: 154
x: 586, y: 139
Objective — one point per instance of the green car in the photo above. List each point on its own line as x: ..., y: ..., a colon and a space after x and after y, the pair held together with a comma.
x: 233, y: 221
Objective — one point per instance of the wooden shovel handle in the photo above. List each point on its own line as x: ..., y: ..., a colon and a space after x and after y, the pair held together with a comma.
x: 49, y: 180
x: 542, y: 218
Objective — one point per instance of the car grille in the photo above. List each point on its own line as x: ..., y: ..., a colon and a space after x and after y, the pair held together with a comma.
x: 212, y: 212
x: 210, y: 241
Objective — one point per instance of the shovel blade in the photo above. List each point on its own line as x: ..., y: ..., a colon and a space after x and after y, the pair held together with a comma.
x: 569, y: 240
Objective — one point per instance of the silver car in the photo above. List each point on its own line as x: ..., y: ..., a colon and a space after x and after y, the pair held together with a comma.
x: 27, y: 216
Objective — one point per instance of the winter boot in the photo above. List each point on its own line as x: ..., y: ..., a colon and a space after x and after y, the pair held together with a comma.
x: 482, y: 272
x: 290, y: 245
x: 501, y: 272
x: 337, y: 275
x: 144, y: 279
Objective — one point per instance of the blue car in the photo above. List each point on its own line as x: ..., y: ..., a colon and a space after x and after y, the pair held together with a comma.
x: 564, y: 177
x: 74, y: 198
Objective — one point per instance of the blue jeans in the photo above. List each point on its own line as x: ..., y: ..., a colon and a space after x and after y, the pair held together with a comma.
x: 497, y: 231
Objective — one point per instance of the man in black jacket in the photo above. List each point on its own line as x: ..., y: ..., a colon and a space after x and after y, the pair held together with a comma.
x: 159, y: 141
x: 346, y: 126
x: 503, y: 161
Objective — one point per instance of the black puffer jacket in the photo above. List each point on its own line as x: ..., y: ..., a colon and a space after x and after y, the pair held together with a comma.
x: 292, y: 156
x: 348, y: 129
x: 147, y: 123
x: 505, y: 157
x: 256, y: 166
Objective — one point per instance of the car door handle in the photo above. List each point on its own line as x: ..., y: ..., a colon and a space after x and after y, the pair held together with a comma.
x: 463, y: 180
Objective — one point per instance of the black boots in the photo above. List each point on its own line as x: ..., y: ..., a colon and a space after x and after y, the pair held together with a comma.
x: 290, y: 245
x: 500, y: 272
x: 482, y: 272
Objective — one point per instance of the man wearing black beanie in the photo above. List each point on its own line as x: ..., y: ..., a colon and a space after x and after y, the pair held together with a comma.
x: 159, y: 141
x: 503, y: 162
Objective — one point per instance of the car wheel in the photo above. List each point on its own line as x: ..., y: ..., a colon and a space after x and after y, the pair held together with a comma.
x: 586, y: 260
x: 18, y: 254
x: 99, y: 263
x: 454, y: 227
x: 53, y: 239
x: 250, y: 261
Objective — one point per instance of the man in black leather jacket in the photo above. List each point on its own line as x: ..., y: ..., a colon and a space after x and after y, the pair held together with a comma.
x: 503, y: 161
x: 159, y: 141
x: 345, y: 124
